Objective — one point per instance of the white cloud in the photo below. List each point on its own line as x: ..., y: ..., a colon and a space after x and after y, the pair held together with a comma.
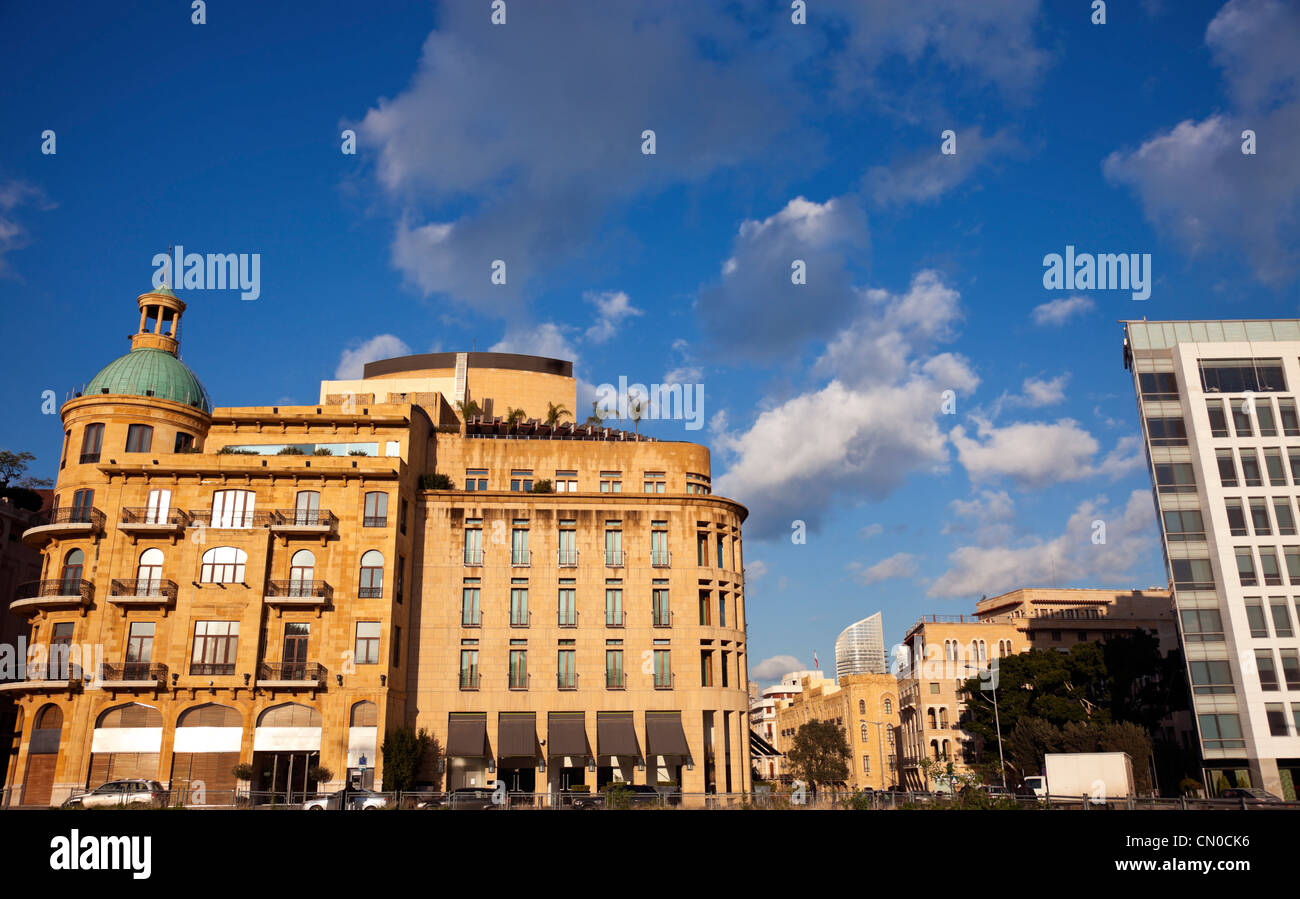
x: 899, y: 565
x: 755, y: 570
x: 1194, y: 182
x: 930, y: 174
x: 1057, y: 312
x: 546, y: 339
x: 755, y: 313
x: 871, y: 530
x: 1040, y: 392
x: 13, y: 234
x: 1070, y: 559
x: 772, y: 669
x: 612, y: 307
x: 382, y: 346
x: 1034, y: 454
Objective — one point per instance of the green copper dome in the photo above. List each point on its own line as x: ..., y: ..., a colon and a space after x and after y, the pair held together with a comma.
x: 151, y: 372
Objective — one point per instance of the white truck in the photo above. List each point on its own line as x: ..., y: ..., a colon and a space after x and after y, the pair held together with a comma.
x: 1101, y: 776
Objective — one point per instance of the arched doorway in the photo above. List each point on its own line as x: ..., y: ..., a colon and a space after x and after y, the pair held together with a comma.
x: 205, y: 751
x: 286, y: 746
x: 125, y: 745
x: 42, y: 755
x: 363, y: 744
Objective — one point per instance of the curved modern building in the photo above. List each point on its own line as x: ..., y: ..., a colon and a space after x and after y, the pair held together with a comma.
x: 860, y: 648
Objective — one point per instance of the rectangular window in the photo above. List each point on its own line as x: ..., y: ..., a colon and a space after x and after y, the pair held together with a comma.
x: 520, y: 557
x: 1221, y: 732
x: 470, y: 610
x: 1273, y: 465
x: 402, y: 507
x: 397, y: 646
x: 232, y: 508
x: 1281, y: 617
x: 1259, y: 517
x: 568, y: 607
x: 655, y: 482
x: 722, y: 608
x: 1255, y: 618
x: 614, y: 616
x: 1171, y: 477
x: 1241, y: 375
x: 1292, y: 556
x: 521, y: 481
x: 1293, y: 454
x: 614, y: 677
x: 215, y: 647
x: 1191, y: 574
x: 1268, y: 566
x: 659, y: 556
x: 1265, y: 666
x: 568, y: 552
x: 474, y: 542
x: 92, y: 442
x: 367, y: 651
x: 613, y: 545
x: 469, y: 668
x: 184, y: 443
x: 1275, y: 712
x: 1218, y: 422
x: 139, y: 644
x: 706, y: 607
x: 1158, y: 385
x: 1227, y: 468
x: 1250, y: 473
x: 1211, y: 678
x: 1167, y: 431
x: 702, y: 549
x: 476, y: 479
x: 1290, y: 423
x: 611, y: 482
x: 1291, y: 668
x: 663, y: 670
x: 1236, y: 519
x: 659, y: 611
x: 706, y: 668
x: 723, y: 658
x: 518, y: 669
x: 1264, y: 417
x: 566, y: 482
x: 1285, y: 520
x: 1240, y: 418
x: 1202, y: 626
x: 1245, y: 567
x: 566, y: 669
x: 519, y: 616
x: 720, y: 556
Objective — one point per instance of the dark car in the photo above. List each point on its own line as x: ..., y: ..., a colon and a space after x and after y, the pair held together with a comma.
x: 637, y: 794
x: 472, y: 798
x: 121, y: 793
x: 1250, y: 795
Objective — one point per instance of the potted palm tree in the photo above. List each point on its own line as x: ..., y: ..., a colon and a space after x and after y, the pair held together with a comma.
x: 553, y: 415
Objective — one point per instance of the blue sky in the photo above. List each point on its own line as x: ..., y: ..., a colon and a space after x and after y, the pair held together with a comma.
x: 774, y: 142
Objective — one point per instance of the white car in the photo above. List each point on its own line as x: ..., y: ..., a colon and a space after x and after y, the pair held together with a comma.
x: 116, y: 793
x: 1038, y: 784
x: 356, y: 799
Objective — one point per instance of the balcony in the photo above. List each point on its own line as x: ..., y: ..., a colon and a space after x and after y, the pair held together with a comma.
x: 566, y: 681
x: 521, y: 559
x: 473, y: 558
x: 518, y: 682
x: 469, y: 679
x: 567, y: 558
x: 54, y: 593
x: 153, y: 522
x: 133, y: 676
x: 661, y: 559
x: 661, y: 617
x: 149, y: 592
x: 71, y: 521
x: 567, y: 618
x: 615, y: 618
x: 521, y: 619
x: 664, y: 683
x: 298, y: 594
x: 303, y: 522
x: 615, y: 558
x: 47, y: 678
x: 236, y: 521
x: 616, y: 680
x: 212, y: 669
x: 291, y: 675
x: 374, y: 521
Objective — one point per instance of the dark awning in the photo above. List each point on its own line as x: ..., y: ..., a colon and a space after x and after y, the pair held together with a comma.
x: 517, y: 735
x: 566, y: 734
x: 759, y: 746
x: 664, y: 734
x: 467, y: 735
x: 616, y: 734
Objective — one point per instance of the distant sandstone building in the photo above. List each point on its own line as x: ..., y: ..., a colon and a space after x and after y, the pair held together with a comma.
x: 281, y: 585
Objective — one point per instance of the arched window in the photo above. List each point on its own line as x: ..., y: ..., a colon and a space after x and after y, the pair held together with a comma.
x: 365, y: 714
x: 372, y: 575
x: 291, y: 714
x: 934, y: 747
x: 931, y: 716
x: 943, y: 717
x: 302, y: 571
x: 73, y: 564
x: 133, y: 714
x: 148, y: 572
x: 862, y: 706
x: 946, y: 756
x: 223, y: 565
x: 984, y: 651
x: 210, y: 714
x: 889, y: 706
x: 864, y: 733
x: 376, y: 510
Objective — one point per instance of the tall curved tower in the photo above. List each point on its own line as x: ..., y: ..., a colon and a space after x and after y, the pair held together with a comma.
x: 860, y: 648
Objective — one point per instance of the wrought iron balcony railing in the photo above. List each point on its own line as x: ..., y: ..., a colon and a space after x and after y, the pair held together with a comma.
x: 299, y: 672
x: 567, y: 558
x: 160, y: 589
x: 134, y: 671
x: 661, y: 559
x: 52, y: 588
x: 296, y: 589
x: 229, y: 520
x: 303, y: 518
x: 615, y: 558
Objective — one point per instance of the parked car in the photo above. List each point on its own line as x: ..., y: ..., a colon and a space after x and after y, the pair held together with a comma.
x: 1252, y: 795
x: 116, y: 793
x: 1037, y: 784
x: 365, y: 800
x: 472, y: 798
x: 638, y: 794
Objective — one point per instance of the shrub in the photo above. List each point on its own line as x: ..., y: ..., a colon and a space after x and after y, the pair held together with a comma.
x: 542, y: 486
x: 291, y: 451
x: 323, y: 451
x: 319, y: 774
x: 435, y: 481
x: 243, y: 771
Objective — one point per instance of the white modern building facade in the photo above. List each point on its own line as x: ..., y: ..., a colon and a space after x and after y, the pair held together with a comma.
x: 1218, y: 404
x: 860, y: 648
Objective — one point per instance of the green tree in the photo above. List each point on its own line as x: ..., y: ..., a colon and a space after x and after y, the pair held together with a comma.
x: 1025, y: 746
x: 467, y: 409
x: 595, y: 419
x: 554, y: 413
x: 405, y: 752
x: 819, y: 754
x: 13, y: 472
